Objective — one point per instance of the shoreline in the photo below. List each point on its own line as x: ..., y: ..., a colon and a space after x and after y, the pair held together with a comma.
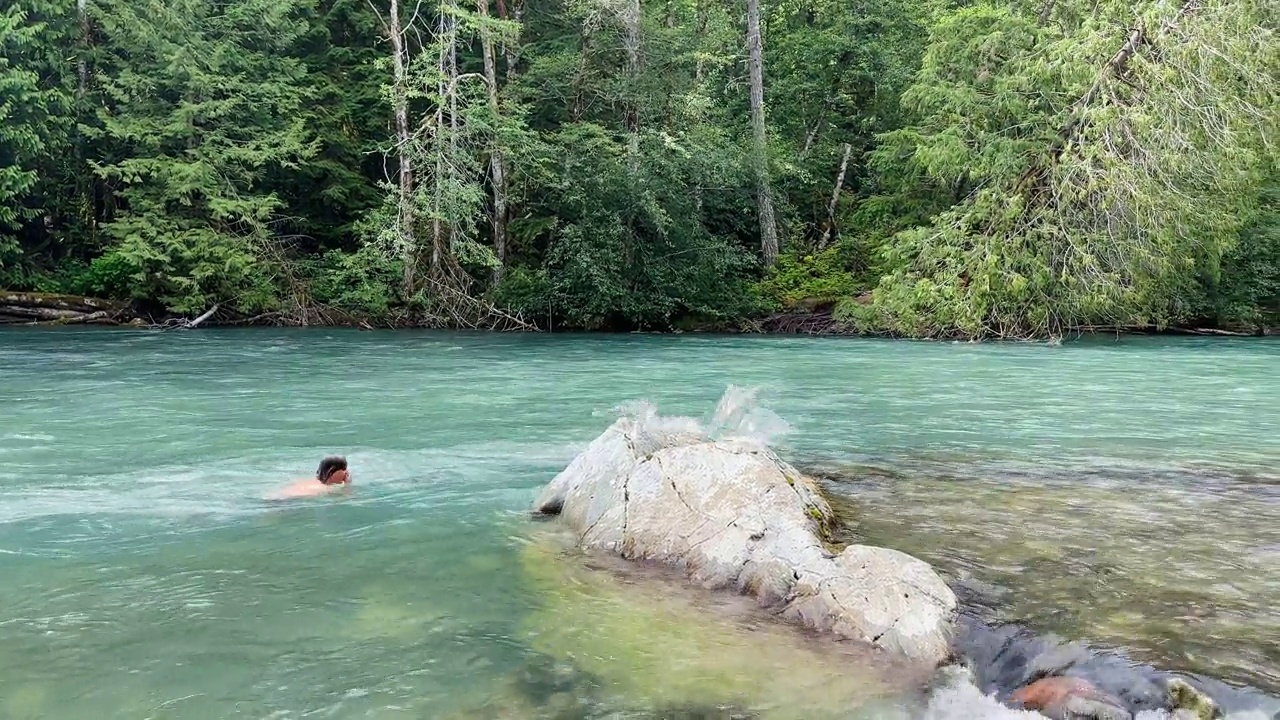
x: 1095, y: 332
x: 30, y: 309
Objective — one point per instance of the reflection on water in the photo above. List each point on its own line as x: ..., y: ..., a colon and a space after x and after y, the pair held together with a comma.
x: 1180, y: 567
x: 143, y: 576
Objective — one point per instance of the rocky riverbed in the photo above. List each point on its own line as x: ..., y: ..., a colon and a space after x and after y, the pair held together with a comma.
x: 722, y: 510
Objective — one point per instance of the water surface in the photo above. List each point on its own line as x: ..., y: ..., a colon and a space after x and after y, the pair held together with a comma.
x: 1124, y: 492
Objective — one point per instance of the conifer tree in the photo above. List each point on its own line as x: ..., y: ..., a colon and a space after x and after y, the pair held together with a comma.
x: 199, y: 101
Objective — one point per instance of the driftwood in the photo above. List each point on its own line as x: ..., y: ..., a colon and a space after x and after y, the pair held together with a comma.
x: 1156, y: 330
x: 79, y: 303
x: 805, y: 323
x: 185, y: 323
x: 207, y: 314
x: 54, y: 309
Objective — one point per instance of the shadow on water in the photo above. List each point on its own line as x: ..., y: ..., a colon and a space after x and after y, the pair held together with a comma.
x: 1178, y: 567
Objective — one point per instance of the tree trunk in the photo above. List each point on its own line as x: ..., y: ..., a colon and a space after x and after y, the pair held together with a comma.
x: 82, y: 65
x: 400, y: 100
x: 25, y: 307
x: 443, y: 91
x: 496, y: 159
x: 699, y: 67
x: 54, y: 301
x: 578, y: 108
x: 835, y: 198
x: 764, y: 198
x: 631, y: 44
x: 1046, y: 12
x: 508, y: 49
x: 1117, y: 66
x: 810, y: 136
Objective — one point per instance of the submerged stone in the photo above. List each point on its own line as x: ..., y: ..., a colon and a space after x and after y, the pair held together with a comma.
x: 1070, y: 698
x: 652, y: 642
x: 1190, y: 702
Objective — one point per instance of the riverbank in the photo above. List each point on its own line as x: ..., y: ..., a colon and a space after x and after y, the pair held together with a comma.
x: 812, y: 318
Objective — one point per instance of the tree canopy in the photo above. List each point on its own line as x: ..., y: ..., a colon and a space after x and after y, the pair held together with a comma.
x: 998, y: 168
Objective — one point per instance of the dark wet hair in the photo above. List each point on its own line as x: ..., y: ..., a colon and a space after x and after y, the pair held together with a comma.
x: 329, y: 466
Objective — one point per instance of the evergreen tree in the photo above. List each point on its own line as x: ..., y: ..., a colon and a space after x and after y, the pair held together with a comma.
x: 34, y: 124
x: 328, y: 193
x: 989, y: 169
x: 1102, y: 155
x: 198, y: 103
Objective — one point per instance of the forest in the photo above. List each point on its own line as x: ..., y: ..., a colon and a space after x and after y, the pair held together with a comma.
x: 912, y: 168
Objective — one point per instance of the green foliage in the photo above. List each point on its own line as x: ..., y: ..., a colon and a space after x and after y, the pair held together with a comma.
x: 109, y: 276
x: 821, y: 277
x: 28, y: 125
x: 1245, y: 290
x: 525, y: 292
x: 627, y: 250
x: 199, y: 102
x: 1005, y: 177
x: 360, y: 283
x: 1088, y: 191
x: 326, y: 194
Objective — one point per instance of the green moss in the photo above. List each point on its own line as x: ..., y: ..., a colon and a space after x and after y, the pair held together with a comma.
x: 1182, y: 696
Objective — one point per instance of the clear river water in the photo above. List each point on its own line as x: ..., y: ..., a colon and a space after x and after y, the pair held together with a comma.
x: 1124, y: 492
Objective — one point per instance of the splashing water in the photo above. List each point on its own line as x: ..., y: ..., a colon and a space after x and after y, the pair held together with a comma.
x: 739, y: 414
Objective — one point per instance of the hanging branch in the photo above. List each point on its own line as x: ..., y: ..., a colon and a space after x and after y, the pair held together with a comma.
x: 1116, y: 67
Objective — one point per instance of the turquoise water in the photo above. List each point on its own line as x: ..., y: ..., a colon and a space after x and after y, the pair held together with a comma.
x: 144, y: 576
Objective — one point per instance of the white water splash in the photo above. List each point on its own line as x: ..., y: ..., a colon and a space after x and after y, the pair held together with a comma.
x: 739, y: 414
x: 956, y: 697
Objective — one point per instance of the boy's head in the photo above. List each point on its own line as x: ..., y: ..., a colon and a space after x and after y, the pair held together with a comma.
x: 333, y: 469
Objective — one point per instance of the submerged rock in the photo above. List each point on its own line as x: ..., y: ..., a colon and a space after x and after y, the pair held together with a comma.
x: 1012, y: 662
x: 648, y: 640
x: 1190, y: 703
x: 1069, y: 698
x: 731, y: 514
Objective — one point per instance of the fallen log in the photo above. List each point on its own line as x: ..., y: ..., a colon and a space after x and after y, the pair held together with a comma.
x: 32, y: 308
x: 55, y: 301
x: 38, y: 313
x: 207, y: 314
x: 101, y: 317
x: 184, y: 323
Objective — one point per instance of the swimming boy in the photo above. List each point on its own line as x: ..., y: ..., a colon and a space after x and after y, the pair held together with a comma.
x: 331, y: 475
x: 333, y: 471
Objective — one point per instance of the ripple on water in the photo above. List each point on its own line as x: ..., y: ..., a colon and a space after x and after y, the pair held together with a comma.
x: 1171, y: 565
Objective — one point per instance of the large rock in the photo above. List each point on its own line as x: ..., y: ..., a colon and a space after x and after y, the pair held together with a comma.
x: 733, y: 515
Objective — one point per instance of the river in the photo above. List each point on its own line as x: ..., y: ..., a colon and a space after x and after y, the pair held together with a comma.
x: 1122, y: 492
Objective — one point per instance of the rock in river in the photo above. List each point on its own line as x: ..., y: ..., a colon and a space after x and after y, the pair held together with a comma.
x: 731, y: 514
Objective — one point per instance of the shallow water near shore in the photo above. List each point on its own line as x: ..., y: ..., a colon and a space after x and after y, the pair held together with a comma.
x: 1120, y: 492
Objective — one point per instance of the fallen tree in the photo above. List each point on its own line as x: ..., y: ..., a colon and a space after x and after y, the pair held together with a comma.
x: 53, y: 308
